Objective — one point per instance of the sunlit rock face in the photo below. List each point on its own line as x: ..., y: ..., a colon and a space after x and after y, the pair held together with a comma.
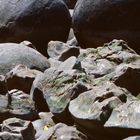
x: 12, y: 54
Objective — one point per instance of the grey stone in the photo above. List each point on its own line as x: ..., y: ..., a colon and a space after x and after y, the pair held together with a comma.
x: 62, y: 131
x: 18, y: 126
x: 124, y: 120
x: 92, y: 109
x: 21, y: 78
x: 61, y: 51
x: 10, y: 136
x: 54, y: 90
x: 12, y: 54
x: 17, y: 104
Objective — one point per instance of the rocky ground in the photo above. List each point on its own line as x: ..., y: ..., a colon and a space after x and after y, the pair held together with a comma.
x: 72, y: 91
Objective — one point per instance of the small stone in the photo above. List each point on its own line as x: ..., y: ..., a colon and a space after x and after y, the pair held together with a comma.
x: 18, y: 126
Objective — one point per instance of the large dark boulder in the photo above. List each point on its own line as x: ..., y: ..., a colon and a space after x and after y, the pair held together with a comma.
x: 38, y: 21
x: 98, y: 21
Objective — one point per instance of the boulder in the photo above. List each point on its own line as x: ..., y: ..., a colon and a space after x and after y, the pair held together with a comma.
x: 124, y: 120
x: 103, y: 60
x: 12, y: 54
x: 54, y: 89
x: 61, y: 51
x: 18, y: 127
x: 17, y: 104
x: 34, y: 20
x: 42, y: 125
x: 62, y: 131
x: 92, y: 109
x: 126, y: 76
x: 10, y: 136
x: 21, y: 78
x: 96, y: 22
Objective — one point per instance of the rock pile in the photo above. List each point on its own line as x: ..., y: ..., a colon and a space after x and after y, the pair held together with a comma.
x: 94, y: 90
x: 88, y: 93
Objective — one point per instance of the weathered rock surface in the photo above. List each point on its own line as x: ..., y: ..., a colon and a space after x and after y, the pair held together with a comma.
x: 17, y: 104
x: 96, y: 22
x: 42, y: 125
x: 54, y: 90
x: 36, y: 21
x: 18, y: 129
x: 21, y: 78
x: 10, y: 136
x: 62, y: 131
x: 91, y: 109
x: 61, y: 51
x: 125, y: 116
x: 12, y: 54
x: 104, y: 60
x: 126, y: 76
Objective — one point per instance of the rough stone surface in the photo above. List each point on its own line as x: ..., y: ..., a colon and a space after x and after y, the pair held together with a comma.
x: 18, y: 126
x: 61, y: 51
x: 36, y: 21
x: 98, y: 21
x: 62, y: 131
x: 91, y: 109
x: 125, y: 116
x: 55, y: 89
x: 10, y: 136
x: 104, y: 60
x: 17, y: 104
x: 125, y: 119
x: 12, y: 54
x: 21, y: 78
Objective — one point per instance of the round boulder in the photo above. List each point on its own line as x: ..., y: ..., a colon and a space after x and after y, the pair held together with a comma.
x: 12, y: 54
x: 99, y: 21
x: 37, y: 21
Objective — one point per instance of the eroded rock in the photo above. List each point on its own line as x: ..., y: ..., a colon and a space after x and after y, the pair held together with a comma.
x: 21, y: 78
x: 20, y: 129
x: 91, y: 109
x: 17, y: 104
x: 61, y: 51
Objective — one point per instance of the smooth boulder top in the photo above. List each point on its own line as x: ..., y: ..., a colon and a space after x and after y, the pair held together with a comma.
x: 12, y: 54
x: 98, y: 21
x: 37, y: 21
